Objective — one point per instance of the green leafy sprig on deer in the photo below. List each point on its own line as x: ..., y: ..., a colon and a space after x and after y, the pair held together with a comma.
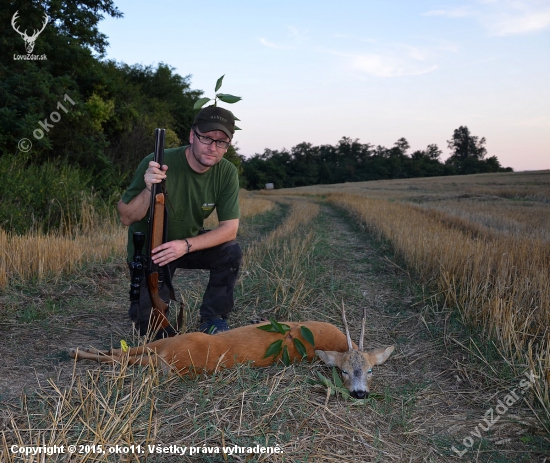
x: 334, y: 386
x: 276, y: 346
x: 225, y: 97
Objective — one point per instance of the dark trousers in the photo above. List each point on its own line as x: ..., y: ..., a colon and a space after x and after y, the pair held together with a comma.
x: 223, y: 261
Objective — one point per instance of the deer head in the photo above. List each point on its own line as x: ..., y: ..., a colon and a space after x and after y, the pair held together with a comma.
x: 29, y: 40
x: 355, y: 364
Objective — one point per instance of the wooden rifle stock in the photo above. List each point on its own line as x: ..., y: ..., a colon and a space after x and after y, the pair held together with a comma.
x: 157, y: 222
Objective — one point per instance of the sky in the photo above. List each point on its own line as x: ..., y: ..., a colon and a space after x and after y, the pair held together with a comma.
x: 317, y: 70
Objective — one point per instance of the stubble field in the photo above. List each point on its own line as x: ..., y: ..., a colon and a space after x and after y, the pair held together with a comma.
x: 453, y: 271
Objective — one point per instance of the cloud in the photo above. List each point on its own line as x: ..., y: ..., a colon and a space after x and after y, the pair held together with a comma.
x: 295, y: 38
x: 396, y: 61
x: 503, y: 17
x: 450, y: 13
x: 298, y: 34
x: 518, y: 18
x: 265, y: 43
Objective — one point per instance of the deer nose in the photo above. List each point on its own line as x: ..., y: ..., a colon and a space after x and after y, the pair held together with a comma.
x: 360, y: 394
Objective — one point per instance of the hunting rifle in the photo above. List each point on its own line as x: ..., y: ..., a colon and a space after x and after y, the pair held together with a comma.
x: 155, y: 275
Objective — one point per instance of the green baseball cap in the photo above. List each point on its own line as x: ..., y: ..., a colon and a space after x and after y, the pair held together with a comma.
x: 215, y: 118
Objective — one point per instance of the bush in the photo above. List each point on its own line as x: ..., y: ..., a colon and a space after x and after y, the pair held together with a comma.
x: 43, y: 197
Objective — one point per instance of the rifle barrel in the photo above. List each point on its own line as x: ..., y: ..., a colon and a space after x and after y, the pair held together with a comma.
x: 156, y: 190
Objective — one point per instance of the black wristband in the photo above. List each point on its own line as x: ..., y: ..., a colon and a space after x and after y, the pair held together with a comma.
x: 188, y: 245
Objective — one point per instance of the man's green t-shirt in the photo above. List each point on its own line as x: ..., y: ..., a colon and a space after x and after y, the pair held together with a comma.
x: 191, y: 197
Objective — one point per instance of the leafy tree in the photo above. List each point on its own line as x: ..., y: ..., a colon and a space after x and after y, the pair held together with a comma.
x: 145, y: 98
x: 114, y: 108
x: 303, y: 165
x: 426, y: 163
x: 433, y: 152
x: 402, y: 145
x: 468, y: 153
x: 233, y: 156
x: 31, y: 91
x: 465, y: 149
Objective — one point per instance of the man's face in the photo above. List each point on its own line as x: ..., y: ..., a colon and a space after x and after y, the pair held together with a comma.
x: 207, y: 155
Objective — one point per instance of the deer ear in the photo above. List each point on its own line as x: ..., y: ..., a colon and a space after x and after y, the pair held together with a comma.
x: 330, y: 358
x: 379, y: 356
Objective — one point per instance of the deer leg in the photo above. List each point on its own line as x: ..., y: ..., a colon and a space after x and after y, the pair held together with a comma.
x: 105, y: 356
x: 93, y: 354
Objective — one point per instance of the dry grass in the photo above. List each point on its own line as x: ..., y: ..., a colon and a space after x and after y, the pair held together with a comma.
x: 534, y: 186
x: 98, y: 237
x: 250, y: 206
x: 276, y: 406
x: 38, y: 256
x: 479, y: 214
x: 284, y: 251
x: 486, y: 255
x: 140, y: 406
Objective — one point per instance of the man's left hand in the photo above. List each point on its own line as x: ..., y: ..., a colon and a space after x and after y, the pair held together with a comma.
x: 167, y: 252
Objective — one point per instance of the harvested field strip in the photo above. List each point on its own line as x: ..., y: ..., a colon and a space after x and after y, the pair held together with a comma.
x: 301, y: 214
x: 250, y: 206
x: 523, y: 220
x: 285, y: 253
x: 501, y: 284
x: 42, y: 256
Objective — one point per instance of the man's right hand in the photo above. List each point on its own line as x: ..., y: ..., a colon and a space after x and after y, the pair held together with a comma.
x: 154, y: 174
x: 137, y: 208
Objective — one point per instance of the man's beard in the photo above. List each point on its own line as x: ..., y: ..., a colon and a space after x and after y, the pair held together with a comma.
x: 197, y: 158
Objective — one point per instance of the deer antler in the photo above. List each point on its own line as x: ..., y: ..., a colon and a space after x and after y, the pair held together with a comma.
x: 24, y: 34
x: 13, y: 19
x: 363, y: 328
x: 348, y: 337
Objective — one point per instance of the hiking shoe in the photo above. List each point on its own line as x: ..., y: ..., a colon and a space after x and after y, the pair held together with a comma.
x: 216, y: 325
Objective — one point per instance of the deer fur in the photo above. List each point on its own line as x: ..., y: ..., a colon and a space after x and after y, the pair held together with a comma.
x: 193, y: 353
x: 197, y: 352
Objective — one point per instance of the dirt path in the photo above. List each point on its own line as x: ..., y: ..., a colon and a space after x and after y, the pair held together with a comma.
x: 440, y: 393
x: 50, y: 318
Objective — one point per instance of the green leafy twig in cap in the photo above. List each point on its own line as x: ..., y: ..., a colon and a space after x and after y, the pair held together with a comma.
x: 225, y: 97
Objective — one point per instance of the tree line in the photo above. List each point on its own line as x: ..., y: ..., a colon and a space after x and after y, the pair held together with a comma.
x: 351, y: 161
x: 91, y: 120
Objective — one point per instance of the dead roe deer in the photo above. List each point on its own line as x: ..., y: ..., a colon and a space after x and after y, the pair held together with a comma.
x: 192, y: 353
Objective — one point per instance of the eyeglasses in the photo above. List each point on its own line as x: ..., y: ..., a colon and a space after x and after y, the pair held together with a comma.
x: 208, y: 141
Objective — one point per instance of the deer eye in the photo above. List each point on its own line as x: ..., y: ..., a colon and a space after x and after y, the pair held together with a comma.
x: 344, y: 372
x: 369, y: 372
